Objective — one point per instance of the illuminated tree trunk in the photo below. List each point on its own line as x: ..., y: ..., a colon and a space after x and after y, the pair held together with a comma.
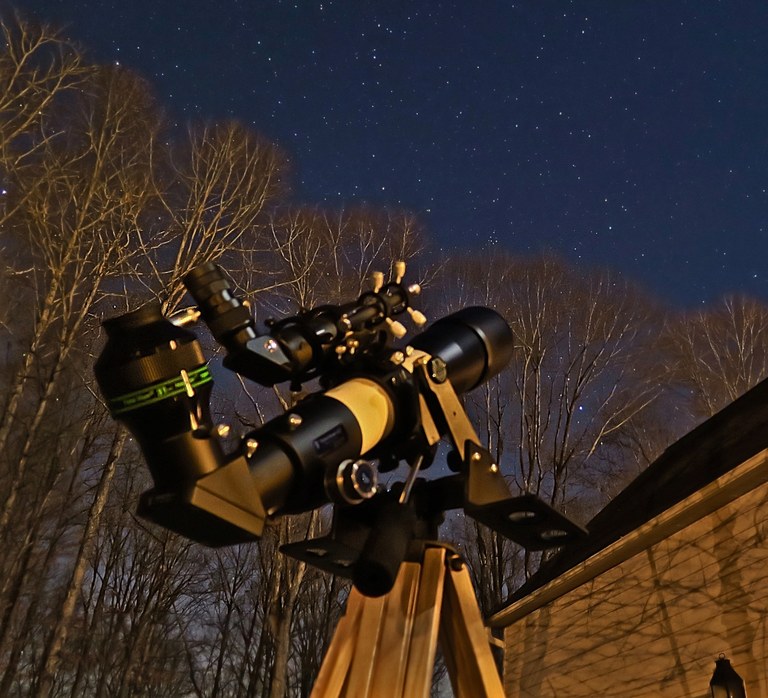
x: 58, y: 636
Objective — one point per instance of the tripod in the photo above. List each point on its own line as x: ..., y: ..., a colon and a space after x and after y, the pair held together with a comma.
x: 385, y: 646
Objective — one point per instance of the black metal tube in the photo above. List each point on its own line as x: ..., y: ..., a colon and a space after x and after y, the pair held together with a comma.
x: 475, y: 343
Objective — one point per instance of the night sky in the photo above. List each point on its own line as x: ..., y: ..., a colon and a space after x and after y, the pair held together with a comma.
x: 628, y: 134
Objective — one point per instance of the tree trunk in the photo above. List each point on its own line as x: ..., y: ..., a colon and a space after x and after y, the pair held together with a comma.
x: 18, y: 476
x: 25, y: 370
x: 58, y: 636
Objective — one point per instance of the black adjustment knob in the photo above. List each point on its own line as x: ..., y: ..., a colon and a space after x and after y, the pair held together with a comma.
x: 352, y: 482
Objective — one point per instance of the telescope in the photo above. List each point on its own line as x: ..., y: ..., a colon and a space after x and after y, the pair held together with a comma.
x: 380, y: 402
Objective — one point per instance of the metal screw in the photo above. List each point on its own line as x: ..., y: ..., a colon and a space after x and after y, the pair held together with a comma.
x: 494, y: 468
x: 223, y: 430
x: 399, y: 269
x: 271, y: 346
x: 294, y: 420
x: 417, y: 316
x: 476, y: 456
x: 250, y: 447
x: 438, y: 370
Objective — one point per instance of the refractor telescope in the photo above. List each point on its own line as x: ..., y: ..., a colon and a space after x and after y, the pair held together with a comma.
x: 378, y: 405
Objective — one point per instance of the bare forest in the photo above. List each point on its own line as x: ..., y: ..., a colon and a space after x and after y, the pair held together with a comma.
x: 104, y: 205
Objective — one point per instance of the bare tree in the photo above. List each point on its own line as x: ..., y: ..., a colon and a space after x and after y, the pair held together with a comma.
x: 84, y: 198
x: 574, y: 384
x: 98, y: 201
x: 325, y: 256
x: 103, y: 204
x: 702, y: 360
x: 51, y: 655
x: 315, y: 621
x: 37, y: 71
x: 718, y: 353
x: 81, y: 195
x: 214, y: 189
x: 37, y: 67
x: 575, y: 377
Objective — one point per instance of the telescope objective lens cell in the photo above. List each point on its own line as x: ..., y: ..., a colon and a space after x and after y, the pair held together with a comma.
x: 475, y: 343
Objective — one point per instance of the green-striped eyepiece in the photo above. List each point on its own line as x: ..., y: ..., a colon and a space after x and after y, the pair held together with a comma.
x: 156, y: 380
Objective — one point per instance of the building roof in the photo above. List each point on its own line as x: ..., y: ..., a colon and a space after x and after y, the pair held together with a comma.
x: 711, y: 450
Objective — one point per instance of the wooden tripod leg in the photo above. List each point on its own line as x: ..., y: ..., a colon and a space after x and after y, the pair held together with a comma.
x: 426, y: 623
x: 359, y: 679
x: 464, y: 639
x: 385, y: 647
x: 396, y: 630
x: 368, y: 655
x: 335, y: 667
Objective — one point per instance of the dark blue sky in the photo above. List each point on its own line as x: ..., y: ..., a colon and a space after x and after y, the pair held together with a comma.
x: 629, y: 134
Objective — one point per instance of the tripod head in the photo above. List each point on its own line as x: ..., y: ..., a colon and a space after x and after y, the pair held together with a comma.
x: 378, y: 405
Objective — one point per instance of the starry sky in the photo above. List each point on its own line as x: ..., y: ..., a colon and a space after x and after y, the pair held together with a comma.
x: 627, y: 134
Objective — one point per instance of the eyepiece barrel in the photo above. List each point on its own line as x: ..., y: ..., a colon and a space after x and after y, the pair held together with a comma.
x: 156, y: 380
x: 221, y: 310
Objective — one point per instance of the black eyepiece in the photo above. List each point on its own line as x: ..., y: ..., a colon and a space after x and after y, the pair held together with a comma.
x: 156, y: 379
x: 143, y: 349
x: 224, y: 314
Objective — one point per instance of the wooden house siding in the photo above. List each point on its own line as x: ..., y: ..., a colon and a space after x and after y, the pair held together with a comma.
x: 647, y: 616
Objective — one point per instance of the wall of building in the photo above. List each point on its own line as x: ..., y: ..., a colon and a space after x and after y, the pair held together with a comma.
x: 653, y: 625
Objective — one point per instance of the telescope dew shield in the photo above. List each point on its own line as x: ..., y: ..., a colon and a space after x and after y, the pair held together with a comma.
x: 475, y: 343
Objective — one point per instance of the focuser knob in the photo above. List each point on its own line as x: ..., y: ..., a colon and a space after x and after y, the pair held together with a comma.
x: 352, y: 481
x: 377, y: 278
x: 185, y: 317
